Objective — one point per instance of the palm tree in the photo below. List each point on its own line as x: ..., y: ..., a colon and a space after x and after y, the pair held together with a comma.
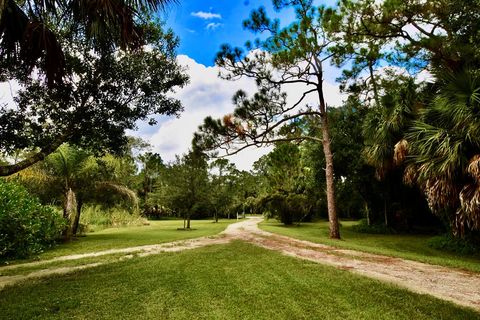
x: 384, y: 131
x: 444, y: 147
x: 29, y: 29
x: 77, y: 176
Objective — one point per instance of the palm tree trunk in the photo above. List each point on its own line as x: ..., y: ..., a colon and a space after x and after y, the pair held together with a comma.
x: 69, y: 212
x: 76, y: 222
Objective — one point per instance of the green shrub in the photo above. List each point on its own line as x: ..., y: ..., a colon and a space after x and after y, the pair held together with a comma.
x: 288, y: 208
x: 363, y: 227
x: 26, y: 227
x: 455, y: 245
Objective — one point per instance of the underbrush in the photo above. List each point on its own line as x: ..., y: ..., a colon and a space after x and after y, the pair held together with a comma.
x: 95, y: 218
x: 26, y: 226
x: 363, y: 227
x: 468, y: 246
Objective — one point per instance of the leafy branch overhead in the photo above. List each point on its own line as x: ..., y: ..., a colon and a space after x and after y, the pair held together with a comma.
x: 31, y: 31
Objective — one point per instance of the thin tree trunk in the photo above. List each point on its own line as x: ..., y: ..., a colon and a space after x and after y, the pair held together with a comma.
x: 385, y: 211
x: 327, y: 150
x: 188, y: 222
x: 367, y: 210
x: 374, y: 83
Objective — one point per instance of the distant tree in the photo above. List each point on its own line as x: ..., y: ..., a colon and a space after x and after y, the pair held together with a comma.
x: 222, y: 181
x: 283, y: 197
x: 290, y: 55
x: 244, y: 191
x: 152, y: 165
x: 184, y: 184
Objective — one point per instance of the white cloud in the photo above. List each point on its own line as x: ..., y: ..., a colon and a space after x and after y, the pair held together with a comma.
x: 208, y: 95
x: 8, y: 91
x: 213, y: 25
x: 206, y: 15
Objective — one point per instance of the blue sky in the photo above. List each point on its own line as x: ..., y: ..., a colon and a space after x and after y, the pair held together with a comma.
x: 204, y: 25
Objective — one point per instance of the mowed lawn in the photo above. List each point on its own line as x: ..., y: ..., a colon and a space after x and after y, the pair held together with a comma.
x: 234, y: 281
x: 413, y: 247
x: 155, y: 232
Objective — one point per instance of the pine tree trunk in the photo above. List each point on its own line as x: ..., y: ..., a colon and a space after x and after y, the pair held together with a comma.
x: 327, y: 150
x: 331, y: 204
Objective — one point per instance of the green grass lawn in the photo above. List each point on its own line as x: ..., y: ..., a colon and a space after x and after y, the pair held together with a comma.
x: 156, y: 232
x: 235, y: 281
x: 412, y: 247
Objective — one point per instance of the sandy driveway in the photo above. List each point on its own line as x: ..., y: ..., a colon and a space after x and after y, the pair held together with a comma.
x: 455, y: 285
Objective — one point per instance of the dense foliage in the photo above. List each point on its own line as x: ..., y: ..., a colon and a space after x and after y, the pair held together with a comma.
x: 103, y: 96
x: 26, y: 226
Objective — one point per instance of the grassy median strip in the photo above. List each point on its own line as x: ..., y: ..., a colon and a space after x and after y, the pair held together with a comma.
x: 113, y: 238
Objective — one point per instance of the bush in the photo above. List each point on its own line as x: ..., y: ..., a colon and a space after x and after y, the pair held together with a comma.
x: 288, y: 208
x: 26, y: 227
x: 363, y: 227
x: 455, y: 245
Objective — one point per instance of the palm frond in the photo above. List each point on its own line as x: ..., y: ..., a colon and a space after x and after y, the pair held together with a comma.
x: 28, y: 36
x: 400, y: 152
x: 441, y: 194
x: 121, y: 190
x: 468, y: 214
x: 410, y: 174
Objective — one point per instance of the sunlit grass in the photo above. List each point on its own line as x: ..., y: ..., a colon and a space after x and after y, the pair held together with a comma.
x: 155, y: 232
x: 235, y: 281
